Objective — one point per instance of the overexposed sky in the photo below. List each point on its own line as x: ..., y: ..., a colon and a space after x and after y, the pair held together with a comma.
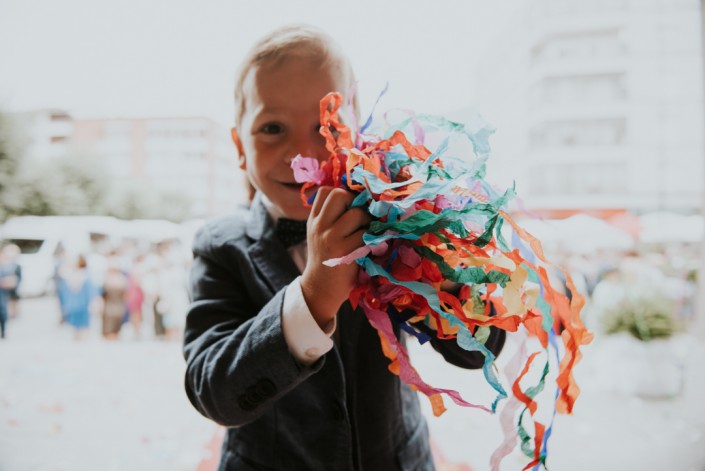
x: 98, y: 58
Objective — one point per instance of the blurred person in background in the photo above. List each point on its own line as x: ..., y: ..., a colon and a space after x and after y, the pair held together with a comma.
x: 13, y: 253
x: 60, y: 287
x: 134, y: 297
x: 160, y: 303
x: 79, y: 296
x: 149, y: 282
x: 8, y: 284
x: 97, y: 263
x: 114, y: 295
x: 173, y: 300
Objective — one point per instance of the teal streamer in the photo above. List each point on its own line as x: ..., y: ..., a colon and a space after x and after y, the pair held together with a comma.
x: 465, y: 339
x: 479, y: 138
x: 547, y: 320
x: 371, y: 239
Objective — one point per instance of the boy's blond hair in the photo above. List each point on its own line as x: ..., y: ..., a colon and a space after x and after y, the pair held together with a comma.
x: 294, y: 40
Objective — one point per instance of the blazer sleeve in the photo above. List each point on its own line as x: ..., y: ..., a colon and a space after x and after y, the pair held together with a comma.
x: 237, y: 360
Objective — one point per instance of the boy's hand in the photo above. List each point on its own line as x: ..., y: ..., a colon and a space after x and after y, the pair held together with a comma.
x: 334, y: 230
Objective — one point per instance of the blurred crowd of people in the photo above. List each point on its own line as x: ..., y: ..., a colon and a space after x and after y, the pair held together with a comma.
x: 145, y: 290
x: 131, y: 292
x: 113, y: 290
x: 121, y: 288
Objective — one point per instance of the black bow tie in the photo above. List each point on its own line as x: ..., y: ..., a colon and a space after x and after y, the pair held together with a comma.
x: 290, y: 232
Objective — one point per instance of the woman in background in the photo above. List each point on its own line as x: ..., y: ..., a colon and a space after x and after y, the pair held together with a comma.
x: 78, y: 294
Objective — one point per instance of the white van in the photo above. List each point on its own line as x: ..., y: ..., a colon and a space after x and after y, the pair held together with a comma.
x: 41, y: 239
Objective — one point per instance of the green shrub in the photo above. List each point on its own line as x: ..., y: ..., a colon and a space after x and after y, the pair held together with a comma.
x: 645, y: 317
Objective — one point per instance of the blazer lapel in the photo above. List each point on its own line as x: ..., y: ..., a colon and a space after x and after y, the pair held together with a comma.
x: 277, y: 269
x: 269, y: 256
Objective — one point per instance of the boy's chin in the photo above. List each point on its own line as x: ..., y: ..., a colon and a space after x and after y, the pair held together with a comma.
x: 297, y: 213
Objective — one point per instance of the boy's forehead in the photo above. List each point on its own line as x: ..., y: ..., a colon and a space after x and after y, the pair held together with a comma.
x: 263, y: 82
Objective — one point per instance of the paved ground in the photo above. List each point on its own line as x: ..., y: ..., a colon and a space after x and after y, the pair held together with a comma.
x: 113, y: 406
x: 93, y: 405
x: 615, y: 426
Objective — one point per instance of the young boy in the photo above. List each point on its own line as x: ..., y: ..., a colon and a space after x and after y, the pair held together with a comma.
x: 274, y: 351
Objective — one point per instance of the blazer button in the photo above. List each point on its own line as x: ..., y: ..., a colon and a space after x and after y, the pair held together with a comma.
x: 265, y: 388
x: 253, y: 395
x: 245, y: 404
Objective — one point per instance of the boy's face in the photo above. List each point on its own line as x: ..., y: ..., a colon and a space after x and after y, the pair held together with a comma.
x: 281, y: 120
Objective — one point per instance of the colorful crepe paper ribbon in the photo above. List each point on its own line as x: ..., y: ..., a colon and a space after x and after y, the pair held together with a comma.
x: 435, y: 255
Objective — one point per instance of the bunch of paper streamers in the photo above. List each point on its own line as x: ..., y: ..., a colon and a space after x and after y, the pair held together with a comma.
x: 435, y: 255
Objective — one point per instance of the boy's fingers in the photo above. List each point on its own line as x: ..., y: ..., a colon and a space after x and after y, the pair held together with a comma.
x: 353, y: 220
x: 337, y: 202
x: 321, y: 196
x: 356, y: 238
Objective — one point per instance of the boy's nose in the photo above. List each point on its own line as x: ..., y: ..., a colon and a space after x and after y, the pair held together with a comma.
x: 312, y: 145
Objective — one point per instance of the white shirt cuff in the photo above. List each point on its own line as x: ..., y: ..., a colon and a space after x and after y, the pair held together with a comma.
x: 306, y: 340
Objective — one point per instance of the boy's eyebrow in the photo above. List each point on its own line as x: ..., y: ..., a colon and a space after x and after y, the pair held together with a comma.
x: 267, y: 110
x: 271, y: 109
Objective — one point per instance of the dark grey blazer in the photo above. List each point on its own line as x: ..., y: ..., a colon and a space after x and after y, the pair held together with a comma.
x: 344, y: 412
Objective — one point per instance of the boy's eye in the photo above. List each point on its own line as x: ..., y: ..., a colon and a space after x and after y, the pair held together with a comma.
x: 271, y: 128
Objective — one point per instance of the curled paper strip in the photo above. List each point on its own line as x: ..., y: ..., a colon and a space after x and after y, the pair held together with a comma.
x: 435, y: 256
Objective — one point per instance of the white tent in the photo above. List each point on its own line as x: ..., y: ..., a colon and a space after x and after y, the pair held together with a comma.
x: 664, y: 227
x: 152, y: 230
x: 579, y: 233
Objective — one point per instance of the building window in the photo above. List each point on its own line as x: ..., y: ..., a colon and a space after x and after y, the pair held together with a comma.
x: 59, y: 116
x: 595, y: 132
x: 580, y: 46
x: 598, y: 88
x: 563, y: 7
x: 579, y: 178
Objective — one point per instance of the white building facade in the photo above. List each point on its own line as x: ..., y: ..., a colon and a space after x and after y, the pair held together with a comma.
x: 599, y: 105
x: 43, y: 134
x: 190, y: 156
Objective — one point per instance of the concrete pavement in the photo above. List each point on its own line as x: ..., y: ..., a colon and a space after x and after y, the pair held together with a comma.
x: 614, y: 427
x: 93, y: 405
x: 96, y: 405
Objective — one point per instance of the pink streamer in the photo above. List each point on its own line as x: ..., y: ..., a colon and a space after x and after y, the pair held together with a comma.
x: 376, y: 250
x: 508, y: 414
x: 306, y: 169
x: 409, y: 257
x: 380, y: 321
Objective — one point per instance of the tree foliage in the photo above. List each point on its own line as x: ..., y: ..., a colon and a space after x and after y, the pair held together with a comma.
x: 9, y: 162
x: 67, y: 185
x: 74, y: 185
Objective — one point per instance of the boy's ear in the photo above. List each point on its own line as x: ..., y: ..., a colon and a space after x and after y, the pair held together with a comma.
x: 240, y: 151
